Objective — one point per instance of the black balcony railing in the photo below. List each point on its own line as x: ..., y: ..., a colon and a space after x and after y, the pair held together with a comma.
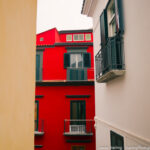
x: 78, y: 127
x: 110, y: 57
x: 39, y: 125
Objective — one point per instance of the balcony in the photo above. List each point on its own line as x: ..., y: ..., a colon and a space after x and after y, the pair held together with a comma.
x: 110, y: 60
x: 78, y: 127
x: 39, y: 128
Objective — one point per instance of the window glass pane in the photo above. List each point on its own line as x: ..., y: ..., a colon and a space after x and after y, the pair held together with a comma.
x: 81, y: 37
x: 112, y: 9
x: 79, y: 61
x: 69, y: 38
x: 73, y: 61
x: 87, y: 37
x: 75, y: 37
x: 74, y: 111
x: 113, y: 27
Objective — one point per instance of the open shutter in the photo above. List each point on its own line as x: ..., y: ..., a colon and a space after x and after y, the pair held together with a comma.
x: 87, y: 60
x: 119, y: 16
x: 103, y: 28
x: 66, y: 60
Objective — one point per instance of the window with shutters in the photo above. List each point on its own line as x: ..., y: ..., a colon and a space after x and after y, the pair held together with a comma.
x: 117, y: 141
x: 110, y: 58
x: 76, y: 64
x: 39, y: 63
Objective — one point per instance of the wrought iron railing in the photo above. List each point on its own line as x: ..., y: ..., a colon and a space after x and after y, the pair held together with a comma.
x: 110, y: 57
x: 39, y: 125
x: 78, y: 126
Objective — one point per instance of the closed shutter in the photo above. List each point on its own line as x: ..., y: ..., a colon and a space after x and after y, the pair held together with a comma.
x: 119, y: 16
x: 103, y: 28
x: 66, y: 60
x: 87, y: 60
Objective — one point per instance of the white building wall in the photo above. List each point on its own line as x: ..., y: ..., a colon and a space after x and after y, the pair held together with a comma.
x: 124, y: 103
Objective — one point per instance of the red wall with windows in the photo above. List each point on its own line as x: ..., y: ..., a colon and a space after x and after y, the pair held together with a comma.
x: 53, y: 63
x: 54, y: 106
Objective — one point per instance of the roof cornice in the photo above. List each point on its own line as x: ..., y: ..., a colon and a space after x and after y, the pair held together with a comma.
x: 87, y: 7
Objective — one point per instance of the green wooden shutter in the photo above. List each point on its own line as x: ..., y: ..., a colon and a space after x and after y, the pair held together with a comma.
x: 66, y: 60
x: 103, y: 28
x: 119, y: 16
x: 37, y: 66
x: 87, y: 59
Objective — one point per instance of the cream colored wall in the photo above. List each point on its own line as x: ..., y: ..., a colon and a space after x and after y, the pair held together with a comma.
x: 17, y: 74
x: 124, y: 102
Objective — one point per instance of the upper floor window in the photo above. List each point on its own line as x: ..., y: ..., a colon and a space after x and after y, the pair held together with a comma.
x: 111, y: 18
x: 69, y: 37
x: 76, y: 60
x: 41, y: 39
x: 88, y: 37
x: 76, y: 65
x: 78, y: 37
x: 39, y: 63
x: 110, y: 58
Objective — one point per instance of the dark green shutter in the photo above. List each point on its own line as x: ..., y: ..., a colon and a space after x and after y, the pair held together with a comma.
x: 103, y: 28
x: 119, y: 13
x: 37, y: 66
x: 87, y: 59
x: 117, y: 141
x: 66, y: 60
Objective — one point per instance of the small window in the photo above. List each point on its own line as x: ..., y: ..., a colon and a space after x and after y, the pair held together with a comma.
x: 41, y: 39
x: 69, y: 37
x: 78, y: 37
x: 88, y: 37
x: 81, y: 37
x: 78, y: 148
x: 117, y: 141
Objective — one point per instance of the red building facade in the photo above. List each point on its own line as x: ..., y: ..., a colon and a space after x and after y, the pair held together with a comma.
x: 65, y: 100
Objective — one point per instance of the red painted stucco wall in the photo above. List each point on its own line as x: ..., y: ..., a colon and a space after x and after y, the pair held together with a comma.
x: 54, y: 107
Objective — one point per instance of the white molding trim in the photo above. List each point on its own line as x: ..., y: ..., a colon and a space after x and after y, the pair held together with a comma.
x: 132, y: 136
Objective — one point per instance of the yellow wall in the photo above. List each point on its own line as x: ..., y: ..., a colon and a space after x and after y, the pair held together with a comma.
x: 17, y: 69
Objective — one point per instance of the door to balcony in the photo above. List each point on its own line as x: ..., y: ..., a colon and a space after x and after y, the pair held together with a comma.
x: 77, y: 112
x: 36, y: 115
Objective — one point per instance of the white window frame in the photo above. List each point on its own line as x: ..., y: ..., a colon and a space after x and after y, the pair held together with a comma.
x: 78, y: 37
x: 86, y: 37
x: 70, y: 36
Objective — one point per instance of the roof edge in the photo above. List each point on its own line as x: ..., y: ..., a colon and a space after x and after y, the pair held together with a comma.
x: 76, y: 31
